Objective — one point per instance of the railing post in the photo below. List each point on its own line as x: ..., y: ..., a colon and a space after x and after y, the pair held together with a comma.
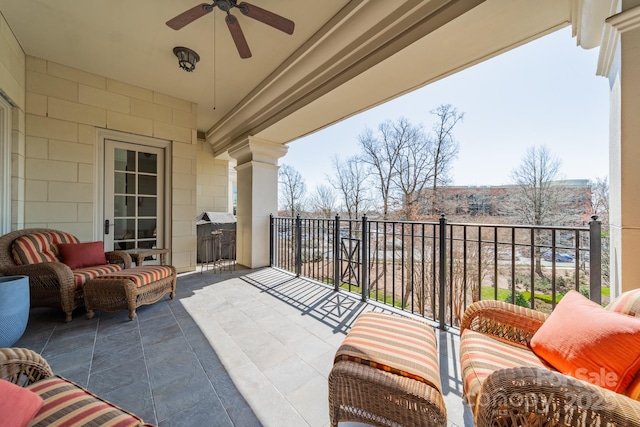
x: 336, y: 253
x: 272, y: 240
x: 364, y: 263
x: 299, y: 245
x: 442, y: 312
x: 595, y: 260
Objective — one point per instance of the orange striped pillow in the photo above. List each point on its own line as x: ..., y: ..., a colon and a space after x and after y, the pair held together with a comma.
x: 33, y: 249
x: 627, y: 303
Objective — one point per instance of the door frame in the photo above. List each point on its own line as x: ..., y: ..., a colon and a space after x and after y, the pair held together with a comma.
x: 5, y: 166
x: 128, y: 138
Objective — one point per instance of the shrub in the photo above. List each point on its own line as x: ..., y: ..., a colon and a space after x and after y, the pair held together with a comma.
x: 584, y: 290
x: 520, y: 299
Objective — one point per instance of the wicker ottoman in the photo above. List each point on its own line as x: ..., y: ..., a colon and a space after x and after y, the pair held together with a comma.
x: 386, y: 373
x: 129, y: 289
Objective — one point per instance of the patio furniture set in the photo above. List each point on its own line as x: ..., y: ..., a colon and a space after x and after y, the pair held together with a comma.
x: 579, y: 366
x: 64, y: 273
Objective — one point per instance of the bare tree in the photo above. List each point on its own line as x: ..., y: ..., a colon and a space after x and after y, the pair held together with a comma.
x: 350, y: 182
x: 292, y: 189
x: 382, y: 153
x: 323, y: 200
x: 600, y: 207
x: 538, y: 196
x: 600, y: 200
x: 413, y: 171
x: 444, y: 148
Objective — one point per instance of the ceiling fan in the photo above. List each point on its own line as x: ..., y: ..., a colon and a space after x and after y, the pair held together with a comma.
x: 255, y: 12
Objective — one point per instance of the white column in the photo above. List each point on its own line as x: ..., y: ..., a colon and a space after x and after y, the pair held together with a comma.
x: 257, y: 170
x: 620, y: 62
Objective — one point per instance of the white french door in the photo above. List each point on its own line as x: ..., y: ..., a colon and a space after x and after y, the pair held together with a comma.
x: 134, y: 180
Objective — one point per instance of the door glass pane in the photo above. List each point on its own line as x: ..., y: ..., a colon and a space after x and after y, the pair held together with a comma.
x: 147, y: 162
x: 147, y: 206
x: 124, y: 229
x: 146, y: 228
x: 124, y: 183
x: 125, y: 160
x: 124, y: 206
x: 147, y: 244
x: 136, y: 196
x: 148, y: 184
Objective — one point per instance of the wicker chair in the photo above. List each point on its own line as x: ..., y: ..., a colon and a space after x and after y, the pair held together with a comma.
x: 51, y: 284
x: 28, y: 369
x: 530, y: 395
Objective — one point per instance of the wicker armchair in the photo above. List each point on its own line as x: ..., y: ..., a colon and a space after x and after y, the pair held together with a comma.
x: 64, y: 402
x: 51, y: 284
x: 530, y: 395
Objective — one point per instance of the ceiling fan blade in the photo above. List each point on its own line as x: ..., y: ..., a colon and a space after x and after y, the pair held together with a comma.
x: 276, y: 21
x: 189, y: 16
x: 238, y: 36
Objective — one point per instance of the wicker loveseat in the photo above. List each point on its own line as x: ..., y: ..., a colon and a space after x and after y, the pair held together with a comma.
x: 35, y: 252
x: 30, y: 394
x: 507, y: 383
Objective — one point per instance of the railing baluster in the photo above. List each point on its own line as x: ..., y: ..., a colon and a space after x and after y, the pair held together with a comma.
x: 364, y: 277
x: 296, y: 243
x: 336, y: 254
x: 495, y: 262
x: 595, y: 260
x: 442, y: 270
x: 533, y: 268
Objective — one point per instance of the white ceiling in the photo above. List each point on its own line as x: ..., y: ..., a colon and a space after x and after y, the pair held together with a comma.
x: 128, y: 40
x: 344, y: 56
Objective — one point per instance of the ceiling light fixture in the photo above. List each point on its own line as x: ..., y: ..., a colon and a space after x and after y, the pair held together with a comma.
x: 186, y: 58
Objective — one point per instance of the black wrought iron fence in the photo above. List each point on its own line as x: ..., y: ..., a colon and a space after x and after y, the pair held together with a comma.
x: 437, y: 269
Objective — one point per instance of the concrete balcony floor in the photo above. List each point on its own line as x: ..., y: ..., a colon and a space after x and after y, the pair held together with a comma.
x: 243, y: 348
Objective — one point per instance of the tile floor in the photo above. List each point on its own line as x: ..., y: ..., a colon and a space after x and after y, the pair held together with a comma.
x: 244, y: 348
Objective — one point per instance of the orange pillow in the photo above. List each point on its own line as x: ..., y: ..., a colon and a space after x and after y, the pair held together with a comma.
x: 20, y: 403
x: 582, y: 339
x: 78, y: 255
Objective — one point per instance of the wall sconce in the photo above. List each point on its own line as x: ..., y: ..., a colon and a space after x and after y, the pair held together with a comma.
x: 186, y: 58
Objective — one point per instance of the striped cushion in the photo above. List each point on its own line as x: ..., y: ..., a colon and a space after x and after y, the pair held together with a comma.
x: 39, y: 247
x: 481, y: 355
x: 81, y: 275
x: 394, y: 344
x: 633, y: 389
x: 142, y: 275
x: 68, y: 404
x: 627, y: 303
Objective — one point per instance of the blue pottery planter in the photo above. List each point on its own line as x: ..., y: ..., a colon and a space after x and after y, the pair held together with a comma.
x: 14, y: 308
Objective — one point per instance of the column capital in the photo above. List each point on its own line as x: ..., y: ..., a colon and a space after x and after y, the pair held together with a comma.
x: 615, y: 25
x: 258, y: 150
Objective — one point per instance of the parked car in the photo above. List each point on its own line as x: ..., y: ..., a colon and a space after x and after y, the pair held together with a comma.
x: 560, y: 257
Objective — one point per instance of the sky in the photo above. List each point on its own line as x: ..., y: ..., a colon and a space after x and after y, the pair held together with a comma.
x: 543, y: 93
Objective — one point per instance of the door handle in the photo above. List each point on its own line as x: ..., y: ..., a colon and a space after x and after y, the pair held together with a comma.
x: 106, y: 226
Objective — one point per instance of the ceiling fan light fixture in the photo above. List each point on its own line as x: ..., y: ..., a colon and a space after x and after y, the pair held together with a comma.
x: 187, y: 58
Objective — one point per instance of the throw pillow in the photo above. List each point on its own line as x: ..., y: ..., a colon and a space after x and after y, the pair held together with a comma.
x: 33, y: 249
x: 21, y: 403
x: 78, y: 255
x: 582, y: 339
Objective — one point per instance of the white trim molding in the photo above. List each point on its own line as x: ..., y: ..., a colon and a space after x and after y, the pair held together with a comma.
x: 98, y: 202
x: 614, y: 26
x: 5, y: 166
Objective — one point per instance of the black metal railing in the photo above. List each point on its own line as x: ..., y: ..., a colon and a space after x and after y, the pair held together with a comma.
x: 437, y: 269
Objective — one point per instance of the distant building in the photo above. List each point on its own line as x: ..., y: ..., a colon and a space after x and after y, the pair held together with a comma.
x: 495, y: 200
